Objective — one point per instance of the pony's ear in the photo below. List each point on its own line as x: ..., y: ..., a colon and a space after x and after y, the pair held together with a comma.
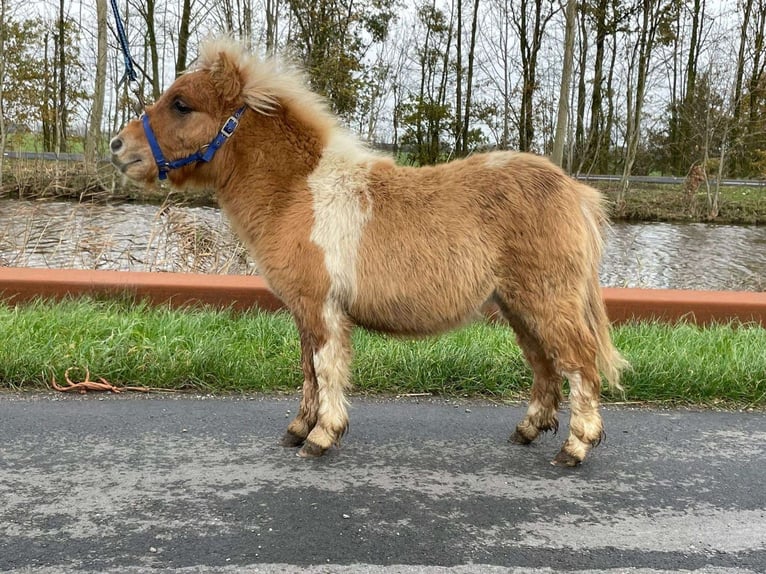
x: 226, y: 77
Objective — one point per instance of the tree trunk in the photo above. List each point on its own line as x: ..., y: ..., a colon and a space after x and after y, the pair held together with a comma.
x: 436, y: 126
x: 736, y: 128
x: 606, y: 140
x: 685, y: 143
x: 459, y: 80
x: 562, y: 118
x: 748, y: 8
x: 151, y: 39
x: 93, y: 138
x: 3, y: 134
x: 506, y: 138
x: 183, y: 37
x: 593, y: 148
x: 579, y: 143
x: 272, y: 18
x: 756, y: 74
x: 61, y: 108
x: 525, y: 125
x: 579, y: 137
x: 469, y: 79
x: 530, y: 42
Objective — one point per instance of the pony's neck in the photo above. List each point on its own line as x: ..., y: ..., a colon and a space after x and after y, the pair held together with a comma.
x: 273, y: 151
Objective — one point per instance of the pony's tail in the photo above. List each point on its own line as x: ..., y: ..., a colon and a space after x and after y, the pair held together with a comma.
x: 608, y: 359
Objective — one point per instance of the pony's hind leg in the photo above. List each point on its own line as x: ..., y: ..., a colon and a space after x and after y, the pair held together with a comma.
x: 557, y: 342
x: 545, y: 398
x: 586, y: 428
x: 566, y: 330
x: 300, y: 427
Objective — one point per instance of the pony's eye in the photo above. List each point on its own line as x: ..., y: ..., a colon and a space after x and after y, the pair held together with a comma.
x: 181, y: 107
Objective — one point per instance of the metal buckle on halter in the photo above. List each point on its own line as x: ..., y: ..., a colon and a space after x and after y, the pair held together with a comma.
x: 228, y: 128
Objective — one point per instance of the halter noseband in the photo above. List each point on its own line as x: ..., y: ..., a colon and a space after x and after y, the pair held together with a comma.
x: 205, y: 153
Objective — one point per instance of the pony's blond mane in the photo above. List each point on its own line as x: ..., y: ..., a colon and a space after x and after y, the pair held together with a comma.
x: 267, y: 83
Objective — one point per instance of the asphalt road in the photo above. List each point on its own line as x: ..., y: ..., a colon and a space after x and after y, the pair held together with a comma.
x: 140, y: 484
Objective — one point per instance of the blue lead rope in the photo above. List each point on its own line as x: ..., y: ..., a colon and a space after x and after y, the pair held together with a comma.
x: 204, y: 154
x: 130, y: 70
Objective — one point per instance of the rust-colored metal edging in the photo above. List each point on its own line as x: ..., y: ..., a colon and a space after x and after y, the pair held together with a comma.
x: 178, y: 289
x: 245, y: 292
x: 700, y: 307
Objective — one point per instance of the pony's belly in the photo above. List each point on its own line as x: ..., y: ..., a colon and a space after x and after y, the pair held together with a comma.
x: 415, y: 316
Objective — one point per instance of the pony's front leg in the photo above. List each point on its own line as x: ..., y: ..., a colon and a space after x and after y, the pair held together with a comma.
x: 300, y: 427
x: 332, y: 364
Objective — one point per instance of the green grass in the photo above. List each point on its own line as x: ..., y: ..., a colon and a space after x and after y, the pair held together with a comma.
x: 737, y: 205
x: 33, y: 142
x: 221, y: 351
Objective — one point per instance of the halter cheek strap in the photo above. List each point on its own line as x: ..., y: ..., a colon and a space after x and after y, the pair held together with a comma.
x: 204, y: 154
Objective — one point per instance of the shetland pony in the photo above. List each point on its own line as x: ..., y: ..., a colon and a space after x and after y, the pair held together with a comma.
x: 346, y: 237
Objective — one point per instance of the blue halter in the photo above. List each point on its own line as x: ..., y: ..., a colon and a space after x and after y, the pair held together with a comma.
x: 205, y: 153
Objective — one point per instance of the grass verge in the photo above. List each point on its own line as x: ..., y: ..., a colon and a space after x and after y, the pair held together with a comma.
x: 737, y: 205
x: 210, y: 350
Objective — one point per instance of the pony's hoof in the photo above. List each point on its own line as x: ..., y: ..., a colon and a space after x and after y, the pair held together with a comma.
x: 563, y: 458
x: 518, y: 438
x: 291, y: 440
x: 311, y: 450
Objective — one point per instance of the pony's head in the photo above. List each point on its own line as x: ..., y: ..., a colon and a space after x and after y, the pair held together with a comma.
x: 180, y: 134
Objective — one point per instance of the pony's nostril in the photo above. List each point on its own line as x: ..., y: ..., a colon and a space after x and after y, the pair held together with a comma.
x: 115, y: 145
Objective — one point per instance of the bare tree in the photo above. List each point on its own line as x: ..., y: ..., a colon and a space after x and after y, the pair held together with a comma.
x: 459, y: 78
x: 3, y: 132
x: 650, y: 13
x: 755, y: 89
x: 496, y: 65
x: 182, y: 53
x: 272, y: 25
x: 148, y: 10
x: 562, y: 118
x: 426, y: 113
x: 682, y: 116
x: 594, y: 145
x: 469, y: 81
x: 530, y: 21
x: 582, y: 64
x: 93, y: 138
x: 747, y: 9
x: 61, y: 107
x: 463, y: 105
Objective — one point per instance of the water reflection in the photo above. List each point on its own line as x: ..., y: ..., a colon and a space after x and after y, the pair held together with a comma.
x: 150, y: 238
x: 685, y: 256
x: 120, y: 237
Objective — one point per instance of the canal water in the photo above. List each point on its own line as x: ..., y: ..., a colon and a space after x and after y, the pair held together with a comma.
x: 198, y: 239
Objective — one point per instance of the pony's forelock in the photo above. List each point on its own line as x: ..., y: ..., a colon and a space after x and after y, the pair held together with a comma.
x: 267, y: 83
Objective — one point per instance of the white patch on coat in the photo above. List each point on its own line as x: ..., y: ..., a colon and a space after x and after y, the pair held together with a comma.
x: 342, y: 208
x: 498, y: 159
